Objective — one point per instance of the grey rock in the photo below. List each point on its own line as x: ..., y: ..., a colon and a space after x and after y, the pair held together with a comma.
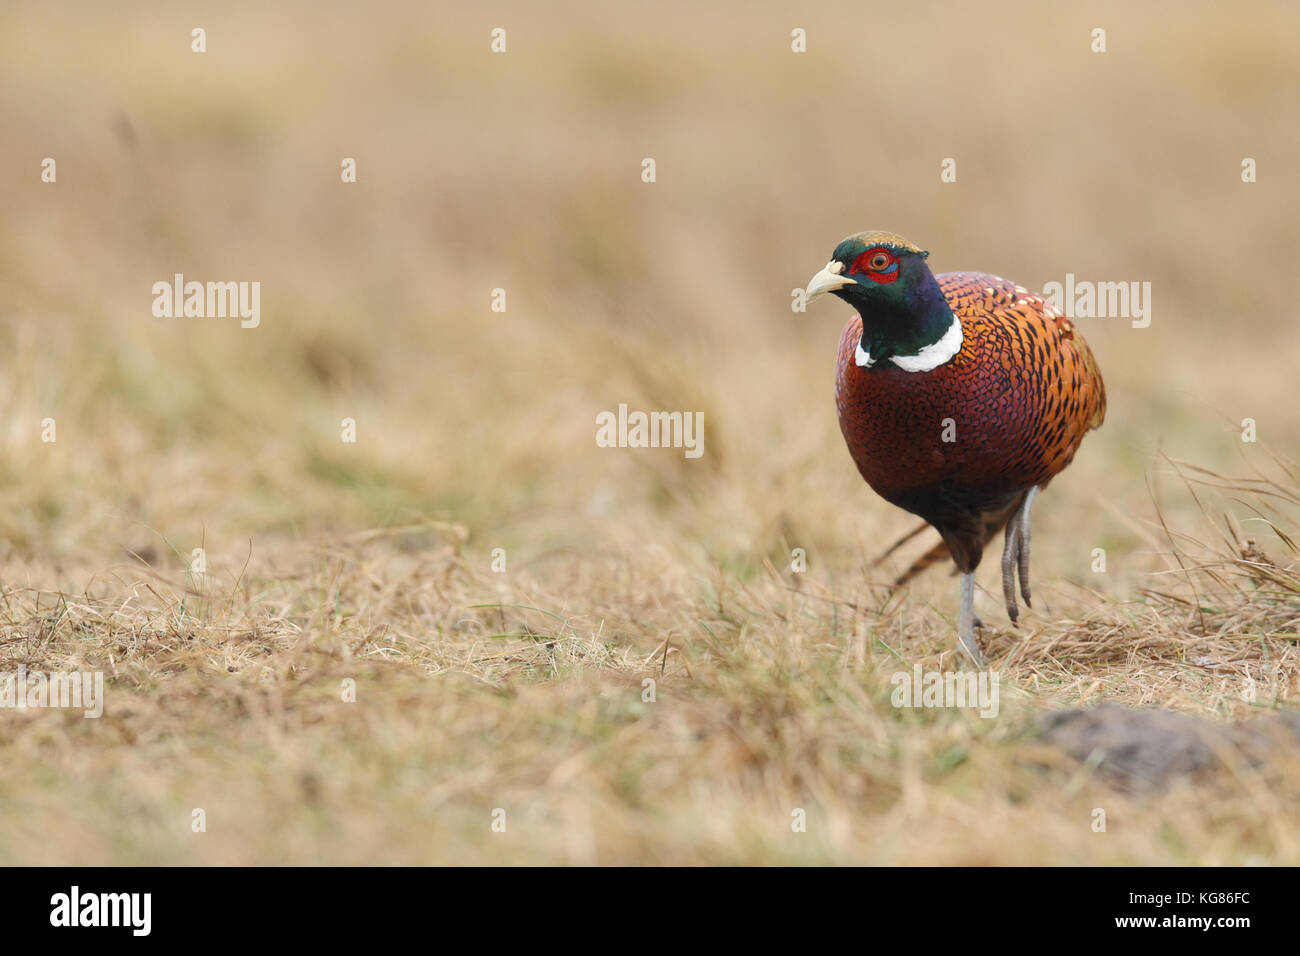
x: 1151, y: 749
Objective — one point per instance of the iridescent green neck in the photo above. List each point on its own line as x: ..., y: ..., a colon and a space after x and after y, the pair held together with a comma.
x: 917, y: 323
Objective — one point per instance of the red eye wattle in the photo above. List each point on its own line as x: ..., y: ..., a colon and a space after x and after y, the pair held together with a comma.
x: 878, y: 264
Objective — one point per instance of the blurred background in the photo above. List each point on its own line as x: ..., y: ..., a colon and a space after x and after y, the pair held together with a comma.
x: 522, y: 171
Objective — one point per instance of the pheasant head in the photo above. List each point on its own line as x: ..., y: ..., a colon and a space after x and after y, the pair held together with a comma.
x: 886, y: 279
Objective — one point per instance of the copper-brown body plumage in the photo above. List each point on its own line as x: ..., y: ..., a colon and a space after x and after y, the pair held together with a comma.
x: 960, y: 444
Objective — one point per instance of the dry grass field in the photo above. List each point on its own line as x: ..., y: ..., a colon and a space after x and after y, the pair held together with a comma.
x: 330, y: 562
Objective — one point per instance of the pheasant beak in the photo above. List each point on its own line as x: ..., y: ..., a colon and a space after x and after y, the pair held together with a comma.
x: 828, y: 280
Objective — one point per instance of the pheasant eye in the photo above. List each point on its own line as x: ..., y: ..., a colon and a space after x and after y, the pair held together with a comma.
x: 877, y: 263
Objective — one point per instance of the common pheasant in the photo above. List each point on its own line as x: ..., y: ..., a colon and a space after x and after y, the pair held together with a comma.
x: 960, y: 396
